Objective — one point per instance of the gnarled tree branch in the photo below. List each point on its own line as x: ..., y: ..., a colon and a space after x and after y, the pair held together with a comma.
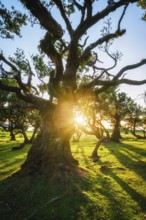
x: 129, y: 67
x: 62, y: 11
x: 36, y: 101
x: 88, y: 23
x: 44, y: 16
x: 53, y: 55
x: 103, y: 39
x: 17, y: 75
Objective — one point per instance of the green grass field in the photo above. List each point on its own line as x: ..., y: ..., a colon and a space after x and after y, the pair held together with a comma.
x: 112, y: 189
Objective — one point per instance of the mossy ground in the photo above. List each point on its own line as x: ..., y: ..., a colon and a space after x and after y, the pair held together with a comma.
x: 112, y: 189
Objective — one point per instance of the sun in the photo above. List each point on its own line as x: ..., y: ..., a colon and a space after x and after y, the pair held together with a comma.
x: 79, y: 119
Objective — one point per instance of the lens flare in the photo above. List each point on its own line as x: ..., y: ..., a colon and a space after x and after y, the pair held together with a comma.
x: 79, y: 119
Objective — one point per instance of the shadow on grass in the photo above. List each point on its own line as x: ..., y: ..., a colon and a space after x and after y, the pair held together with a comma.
x: 138, y: 198
x: 132, y: 203
x: 97, y: 195
x: 42, y: 198
x: 10, y: 161
x: 130, y: 157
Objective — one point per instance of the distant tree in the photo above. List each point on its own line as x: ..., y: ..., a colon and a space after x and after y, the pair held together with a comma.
x: 77, y: 135
x: 114, y: 106
x: 111, y: 106
x: 16, y: 116
x: 94, y: 116
x: 71, y: 51
x: 135, y: 119
x: 143, y: 124
x: 120, y: 110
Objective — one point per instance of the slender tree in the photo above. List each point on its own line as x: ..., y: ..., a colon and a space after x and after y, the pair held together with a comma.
x: 70, y: 52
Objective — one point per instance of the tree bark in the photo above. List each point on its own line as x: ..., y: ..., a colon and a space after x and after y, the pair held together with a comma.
x: 116, y: 136
x: 12, y: 135
x: 50, y: 150
x: 94, y: 155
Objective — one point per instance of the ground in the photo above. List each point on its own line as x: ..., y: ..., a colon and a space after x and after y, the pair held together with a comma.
x: 113, y: 188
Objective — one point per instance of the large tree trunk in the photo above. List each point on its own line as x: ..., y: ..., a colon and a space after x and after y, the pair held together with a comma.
x: 116, y: 136
x: 50, y: 150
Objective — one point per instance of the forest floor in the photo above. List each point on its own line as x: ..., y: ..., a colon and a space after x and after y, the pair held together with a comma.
x: 114, y: 188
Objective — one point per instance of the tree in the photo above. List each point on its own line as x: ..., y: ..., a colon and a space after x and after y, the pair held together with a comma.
x: 16, y: 116
x: 135, y: 119
x: 6, y: 115
x: 93, y: 115
x: 114, y: 106
x: 143, y: 124
x: 70, y: 54
x: 120, y: 108
x: 110, y: 106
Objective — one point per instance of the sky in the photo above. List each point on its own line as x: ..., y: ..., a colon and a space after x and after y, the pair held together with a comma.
x: 132, y: 44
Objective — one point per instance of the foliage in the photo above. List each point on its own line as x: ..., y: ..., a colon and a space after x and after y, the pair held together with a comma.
x: 16, y: 116
x: 142, y: 3
x: 11, y: 22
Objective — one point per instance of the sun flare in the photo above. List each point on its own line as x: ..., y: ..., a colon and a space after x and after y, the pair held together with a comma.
x: 79, y: 119
x: 106, y: 124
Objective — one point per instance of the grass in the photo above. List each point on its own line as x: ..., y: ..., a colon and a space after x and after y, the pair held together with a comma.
x: 114, y: 188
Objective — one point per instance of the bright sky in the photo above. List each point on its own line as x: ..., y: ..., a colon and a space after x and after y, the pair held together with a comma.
x: 132, y: 45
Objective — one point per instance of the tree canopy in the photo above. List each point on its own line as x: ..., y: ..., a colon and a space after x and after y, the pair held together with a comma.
x: 67, y: 58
